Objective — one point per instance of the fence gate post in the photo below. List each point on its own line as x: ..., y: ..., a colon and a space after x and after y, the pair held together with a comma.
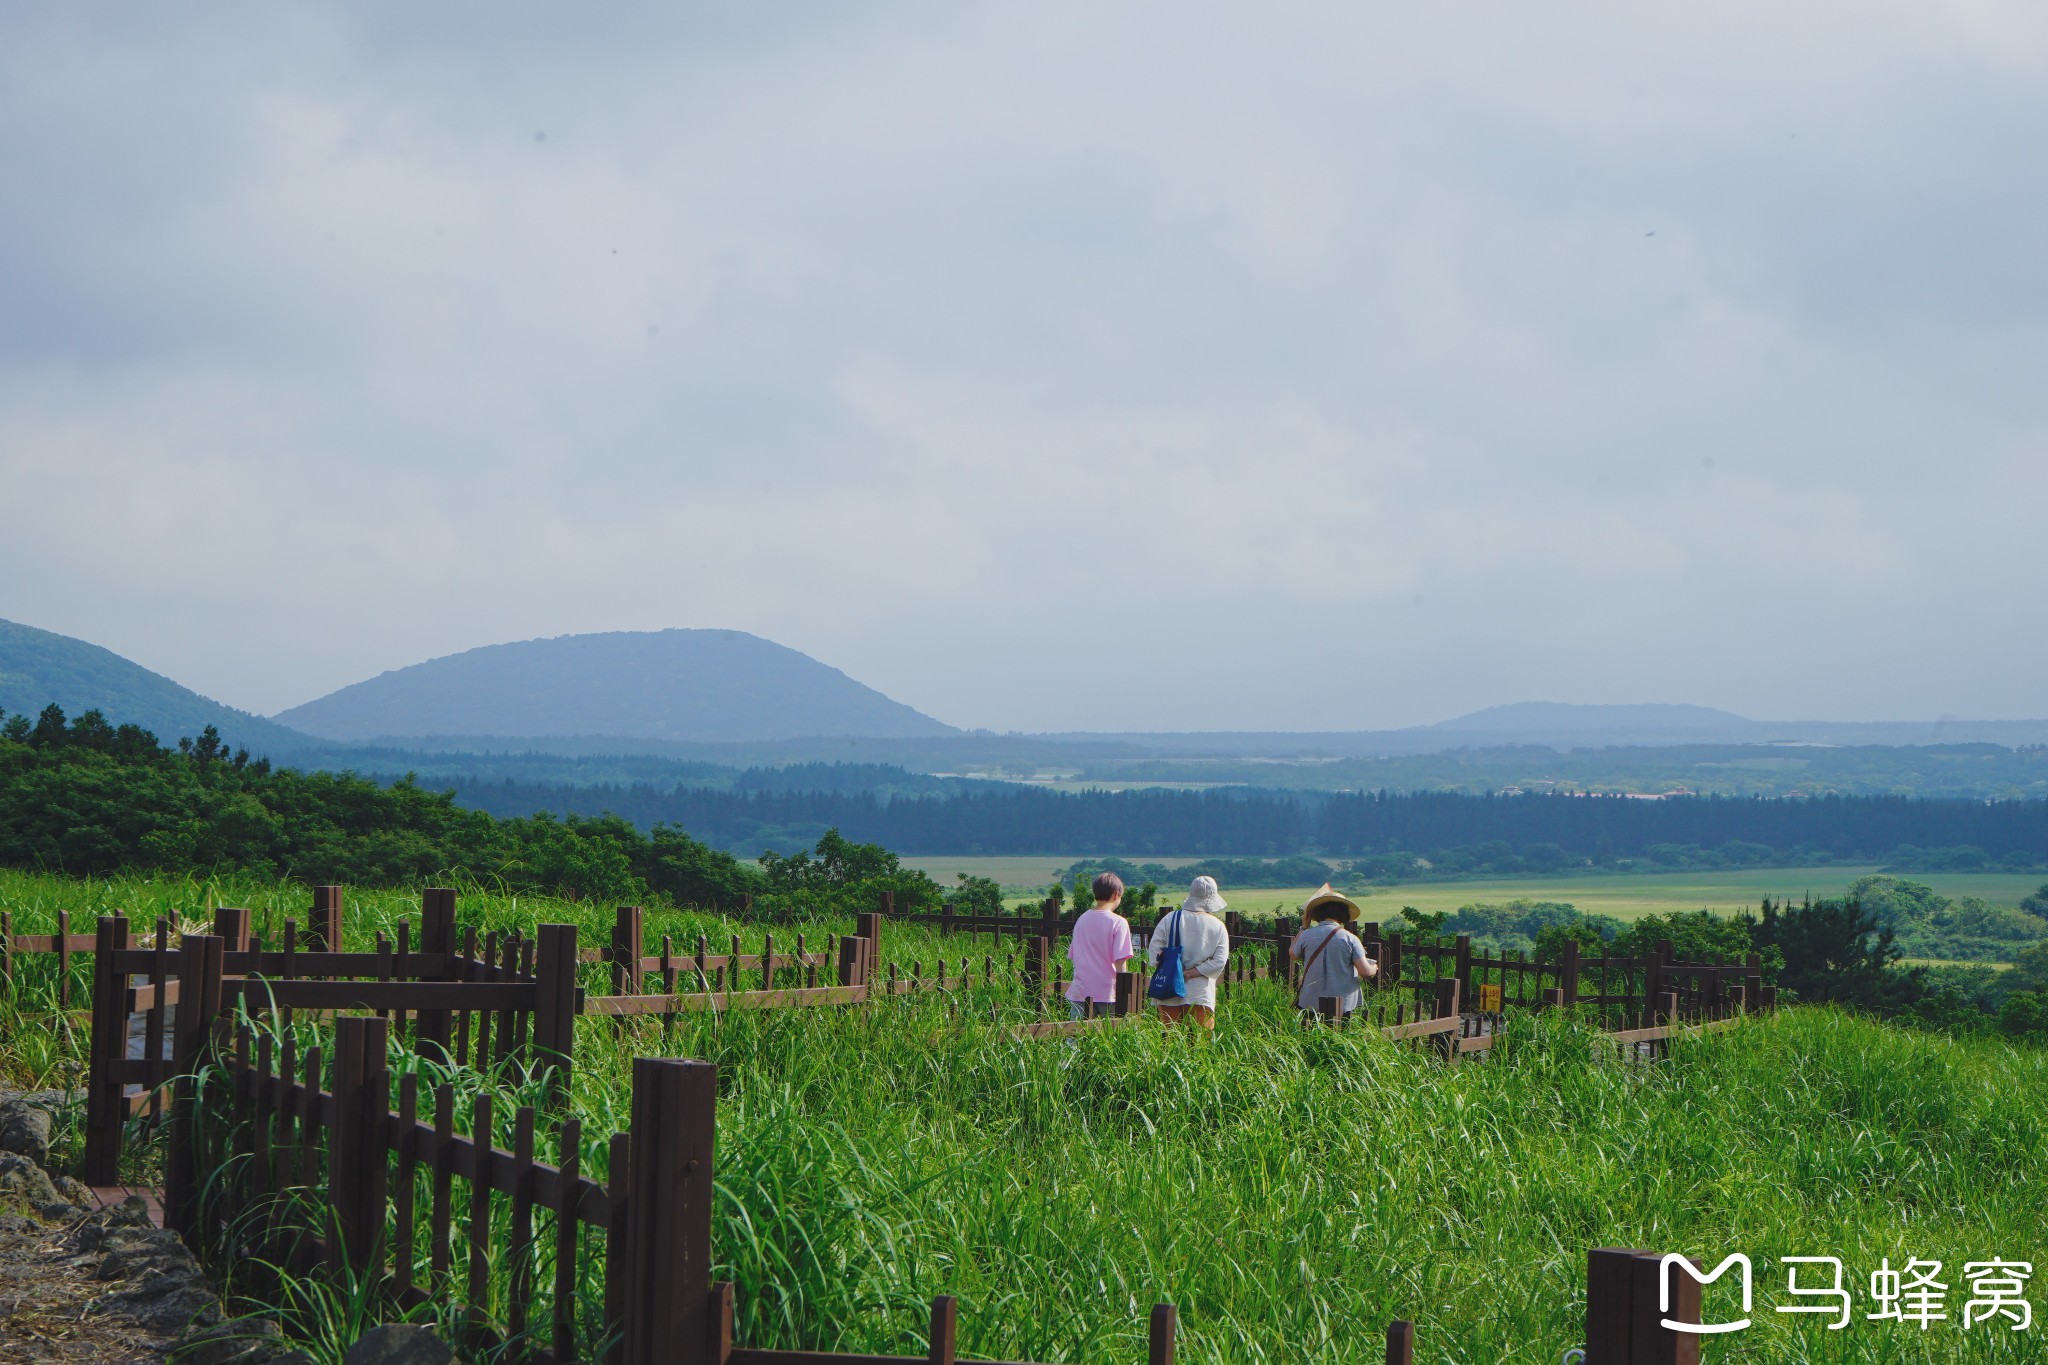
x: 629, y: 932
x: 1038, y: 966
x: 849, y: 960
x: 323, y: 929
x: 106, y: 1110
x: 358, y: 1172
x: 667, y: 1307
x: 437, y: 936
x: 1400, y: 1343
x: 1463, y: 966
x: 1449, y: 1005
x: 554, y: 1011
x: 231, y: 924
x: 199, y: 1000
x: 1126, y: 994
x: 1568, y: 972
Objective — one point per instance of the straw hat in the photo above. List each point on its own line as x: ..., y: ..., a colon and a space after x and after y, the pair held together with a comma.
x: 1203, y: 895
x: 1328, y: 897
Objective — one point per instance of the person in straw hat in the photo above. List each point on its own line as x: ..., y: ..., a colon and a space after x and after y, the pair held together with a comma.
x: 1334, y: 962
x: 1204, y: 949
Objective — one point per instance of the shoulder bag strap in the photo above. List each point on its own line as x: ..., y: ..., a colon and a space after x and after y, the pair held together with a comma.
x: 1310, y: 965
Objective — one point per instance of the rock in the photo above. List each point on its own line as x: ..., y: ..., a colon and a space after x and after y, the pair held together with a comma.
x: 238, y: 1341
x: 77, y: 1191
x: 18, y: 1224
x: 399, y: 1344
x: 92, y: 1231
x: 25, y: 1129
x: 24, y: 1182
x: 157, y: 1284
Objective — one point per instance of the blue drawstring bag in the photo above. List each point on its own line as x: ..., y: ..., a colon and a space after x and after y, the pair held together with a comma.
x: 1168, y: 981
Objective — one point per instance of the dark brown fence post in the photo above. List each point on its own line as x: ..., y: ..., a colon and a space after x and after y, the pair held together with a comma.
x: 199, y: 1000
x: 1038, y: 966
x: 668, y: 1290
x: 869, y: 927
x: 1610, y: 1304
x: 323, y: 928
x: 357, y: 1176
x: 629, y: 932
x: 719, y: 1350
x: 231, y: 924
x: 554, y: 1010
x: 945, y: 1331
x: 1400, y: 1343
x: 430, y: 1032
x: 106, y: 1110
x: 1568, y: 972
x: 1049, y: 918
x: 1463, y: 966
x: 1159, y: 1346
x: 849, y: 960
x: 1448, y: 1006
x: 885, y: 904
x: 1128, y: 999
x: 1767, y: 999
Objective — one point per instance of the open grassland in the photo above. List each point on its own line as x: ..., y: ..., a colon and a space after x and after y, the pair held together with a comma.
x: 1292, y: 1191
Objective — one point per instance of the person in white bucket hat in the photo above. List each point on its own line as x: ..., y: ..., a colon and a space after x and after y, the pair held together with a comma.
x: 1204, y: 949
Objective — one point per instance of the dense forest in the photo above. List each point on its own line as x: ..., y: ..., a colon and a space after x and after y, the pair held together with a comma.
x: 1449, y: 832
x: 88, y: 797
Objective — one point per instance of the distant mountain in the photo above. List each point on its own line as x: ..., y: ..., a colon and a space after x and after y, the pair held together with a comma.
x: 38, y: 667
x: 1570, y: 718
x: 671, y: 685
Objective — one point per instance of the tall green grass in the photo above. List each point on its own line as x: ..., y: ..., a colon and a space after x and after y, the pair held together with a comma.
x: 1294, y: 1190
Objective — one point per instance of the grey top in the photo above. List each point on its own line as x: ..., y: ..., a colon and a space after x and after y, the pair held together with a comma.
x: 1335, y: 972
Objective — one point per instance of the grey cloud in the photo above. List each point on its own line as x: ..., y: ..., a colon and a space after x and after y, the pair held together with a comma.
x: 946, y: 342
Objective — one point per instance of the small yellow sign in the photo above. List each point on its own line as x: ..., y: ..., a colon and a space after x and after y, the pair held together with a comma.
x: 1489, y: 999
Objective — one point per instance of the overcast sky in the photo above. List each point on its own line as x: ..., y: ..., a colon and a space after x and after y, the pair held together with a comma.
x: 1097, y: 366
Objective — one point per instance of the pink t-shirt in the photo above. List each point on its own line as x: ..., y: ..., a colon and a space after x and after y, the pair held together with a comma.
x: 1102, y: 938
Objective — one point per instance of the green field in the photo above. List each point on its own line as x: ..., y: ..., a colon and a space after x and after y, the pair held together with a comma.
x: 1624, y: 896
x: 1290, y: 1190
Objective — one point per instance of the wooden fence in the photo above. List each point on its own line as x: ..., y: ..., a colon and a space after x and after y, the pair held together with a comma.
x: 300, y: 1159
x: 1624, y: 991
x: 308, y: 1166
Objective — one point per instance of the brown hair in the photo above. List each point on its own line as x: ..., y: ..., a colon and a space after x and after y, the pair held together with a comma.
x: 1108, y: 886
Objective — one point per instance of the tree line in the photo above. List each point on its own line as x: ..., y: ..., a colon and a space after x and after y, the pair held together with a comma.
x: 1383, y: 832
x: 89, y: 797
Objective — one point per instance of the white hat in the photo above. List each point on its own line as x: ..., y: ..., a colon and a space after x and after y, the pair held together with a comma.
x: 1203, y: 896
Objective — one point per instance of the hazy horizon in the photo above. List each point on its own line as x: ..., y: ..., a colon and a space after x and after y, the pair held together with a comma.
x: 1045, y: 367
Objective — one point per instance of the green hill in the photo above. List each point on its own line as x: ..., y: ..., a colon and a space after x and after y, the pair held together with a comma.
x: 689, y: 685
x: 38, y: 667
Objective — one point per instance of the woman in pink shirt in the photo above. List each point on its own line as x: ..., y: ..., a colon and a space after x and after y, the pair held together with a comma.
x: 1099, y: 948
